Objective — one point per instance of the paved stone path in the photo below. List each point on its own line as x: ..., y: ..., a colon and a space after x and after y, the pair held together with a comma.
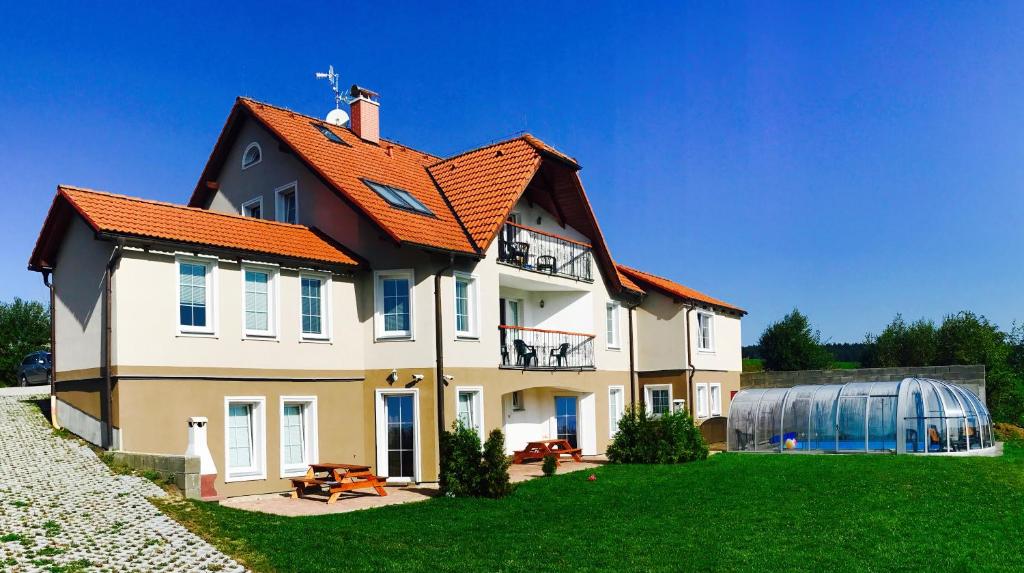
x: 61, y: 509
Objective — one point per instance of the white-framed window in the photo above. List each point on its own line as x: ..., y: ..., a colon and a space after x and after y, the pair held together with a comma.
x: 466, y: 305
x: 705, y: 332
x: 470, y: 408
x: 518, y: 403
x: 314, y: 305
x: 716, y: 399
x: 253, y: 208
x: 514, y: 312
x: 658, y: 398
x: 702, y: 400
x: 299, y: 443
x: 287, y: 203
x: 616, y: 408
x: 394, y: 303
x: 245, y: 444
x: 253, y: 155
x: 612, y: 324
x: 259, y: 285
x: 196, y: 280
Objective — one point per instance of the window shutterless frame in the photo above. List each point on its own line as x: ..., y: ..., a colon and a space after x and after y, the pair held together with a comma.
x: 247, y: 208
x: 252, y: 295
x: 253, y: 155
x: 612, y: 324
x: 257, y: 426
x: 705, y: 331
x: 310, y: 435
x: 188, y: 294
x: 616, y: 408
x: 325, y: 306
x: 395, y: 306
x: 477, y: 402
x: 649, y: 396
x: 280, y: 202
x: 466, y: 305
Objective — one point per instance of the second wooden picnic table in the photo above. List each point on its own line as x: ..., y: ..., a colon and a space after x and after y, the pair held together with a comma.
x: 543, y: 448
x: 338, y: 478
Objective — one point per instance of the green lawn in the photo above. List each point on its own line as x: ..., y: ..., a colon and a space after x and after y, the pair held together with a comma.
x: 733, y: 512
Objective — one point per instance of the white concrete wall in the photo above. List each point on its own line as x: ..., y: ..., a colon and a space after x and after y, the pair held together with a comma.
x: 727, y: 352
x: 78, y: 289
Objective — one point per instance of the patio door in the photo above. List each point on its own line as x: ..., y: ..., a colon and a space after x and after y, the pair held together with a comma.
x: 400, y: 431
x: 565, y: 419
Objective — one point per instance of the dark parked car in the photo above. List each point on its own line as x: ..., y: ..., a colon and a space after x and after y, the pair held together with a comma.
x: 36, y: 368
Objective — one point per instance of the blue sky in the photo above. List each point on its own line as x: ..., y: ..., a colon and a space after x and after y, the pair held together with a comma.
x: 852, y: 160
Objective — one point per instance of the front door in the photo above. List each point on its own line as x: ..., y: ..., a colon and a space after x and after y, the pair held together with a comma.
x: 400, y: 435
x: 565, y: 419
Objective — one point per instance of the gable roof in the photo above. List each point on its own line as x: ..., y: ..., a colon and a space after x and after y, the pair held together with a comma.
x: 343, y: 167
x: 674, y: 289
x: 140, y: 218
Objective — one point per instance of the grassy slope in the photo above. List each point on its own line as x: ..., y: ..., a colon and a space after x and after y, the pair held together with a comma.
x: 735, y: 511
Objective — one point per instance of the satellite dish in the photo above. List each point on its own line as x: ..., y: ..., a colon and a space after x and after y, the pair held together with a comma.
x: 337, y: 117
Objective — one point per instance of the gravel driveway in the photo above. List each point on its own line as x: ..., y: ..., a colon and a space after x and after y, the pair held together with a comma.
x: 62, y: 510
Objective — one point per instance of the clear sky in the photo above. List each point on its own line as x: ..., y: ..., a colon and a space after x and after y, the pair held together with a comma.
x: 855, y: 161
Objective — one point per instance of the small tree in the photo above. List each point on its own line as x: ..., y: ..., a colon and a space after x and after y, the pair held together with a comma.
x: 549, y: 466
x: 24, y: 328
x: 902, y: 344
x: 494, y: 482
x: 460, y: 461
x: 791, y: 344
x: 669, y: 439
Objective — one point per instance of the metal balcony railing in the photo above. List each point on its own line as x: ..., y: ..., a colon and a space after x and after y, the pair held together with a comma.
x: 535, y: 250
x: 540, y: 349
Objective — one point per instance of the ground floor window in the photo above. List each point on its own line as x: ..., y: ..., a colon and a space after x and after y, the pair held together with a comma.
x: 716, y: 399
x: 616, y: 407
x: 659, y: 399
x: 470, y: 410
x: 245, y: 445
x: 298, y: 435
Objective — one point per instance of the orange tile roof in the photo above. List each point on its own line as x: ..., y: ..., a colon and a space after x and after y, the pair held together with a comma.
x: 673, y: 288
x: 119, y: 214
x: 344, y: 167
x: 484, y: 184
x: 627, y: 282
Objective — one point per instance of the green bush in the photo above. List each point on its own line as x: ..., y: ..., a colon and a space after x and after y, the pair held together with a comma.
x: 494, y: 482
x: 467, y: 473
x: 549, y: 466
x: 667, y: 439
x: 460, y: 462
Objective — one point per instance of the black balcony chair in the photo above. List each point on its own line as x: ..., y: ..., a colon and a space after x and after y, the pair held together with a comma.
x: 525, y: 353
x: 517, y: 253
x: 546, y: 263
x: 560, y: 354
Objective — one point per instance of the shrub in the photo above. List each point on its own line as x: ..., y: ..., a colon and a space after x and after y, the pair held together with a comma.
x: 494, y: 481
x: 549, y: 466
x: 460, y: 462
x: 668, y: 439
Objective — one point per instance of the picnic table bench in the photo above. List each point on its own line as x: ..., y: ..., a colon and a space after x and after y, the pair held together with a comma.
x: 543, y: 448
x: 337, y: 478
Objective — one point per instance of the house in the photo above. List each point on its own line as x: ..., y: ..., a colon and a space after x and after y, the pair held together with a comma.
x: 328, y: 294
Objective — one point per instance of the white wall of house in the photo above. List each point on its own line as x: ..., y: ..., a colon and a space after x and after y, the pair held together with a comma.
x: 78, y: 292
x: 727, y: 345
x: 661, y: 326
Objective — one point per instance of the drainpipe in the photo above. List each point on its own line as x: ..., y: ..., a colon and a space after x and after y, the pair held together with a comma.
x: 53, y: 351
x: 632, y: 363
x: 689, y: 361
x: 107, y: 439
x: 439, y: 349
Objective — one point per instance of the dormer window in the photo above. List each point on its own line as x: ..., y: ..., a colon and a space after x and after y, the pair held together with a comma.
x: 253, y: 155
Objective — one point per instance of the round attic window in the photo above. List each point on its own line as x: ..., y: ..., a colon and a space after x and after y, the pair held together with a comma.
x: 253, y: 155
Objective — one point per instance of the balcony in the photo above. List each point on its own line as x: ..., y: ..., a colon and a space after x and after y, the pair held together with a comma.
x: 535, y: 250
x: 539, y: 349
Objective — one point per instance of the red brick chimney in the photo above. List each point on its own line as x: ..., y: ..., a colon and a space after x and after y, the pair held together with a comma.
x: 365, y: 114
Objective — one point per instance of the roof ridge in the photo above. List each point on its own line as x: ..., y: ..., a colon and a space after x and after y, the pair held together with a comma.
x: 521, y: 136
x: 179, y: 206
x: 642, y: 274
x: 318, y: 120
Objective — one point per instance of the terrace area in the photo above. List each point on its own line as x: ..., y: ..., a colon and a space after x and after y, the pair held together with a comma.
x: 542, y: 252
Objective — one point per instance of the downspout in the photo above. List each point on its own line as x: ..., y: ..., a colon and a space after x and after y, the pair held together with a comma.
x: 53, y: 351
x: 108, y: 330
x: 439, y: 350
x: 632, y: 362
x: 689, y: 361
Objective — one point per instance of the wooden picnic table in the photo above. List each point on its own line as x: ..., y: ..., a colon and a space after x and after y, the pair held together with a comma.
x: 543, y: 448
x: 337, y: 478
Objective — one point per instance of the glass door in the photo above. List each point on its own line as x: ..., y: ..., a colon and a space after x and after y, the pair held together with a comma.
x: 851, y: 424
x: 398, y: 411
x: 565, y: 419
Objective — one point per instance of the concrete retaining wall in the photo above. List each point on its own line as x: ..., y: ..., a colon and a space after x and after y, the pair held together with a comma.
x: 972, y: 377
x: 184, y: 468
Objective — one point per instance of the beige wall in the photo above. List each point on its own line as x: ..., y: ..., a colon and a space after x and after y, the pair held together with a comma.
x: 730, y: 382
x: 146, y: 321
x: 661, y: 332
x: 78, y: 299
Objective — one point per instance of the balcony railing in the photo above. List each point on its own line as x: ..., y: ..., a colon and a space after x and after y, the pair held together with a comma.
x: 535, y: 250
x: 539, y: 349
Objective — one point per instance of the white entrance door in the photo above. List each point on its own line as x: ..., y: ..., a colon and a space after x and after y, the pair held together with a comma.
x: 398, y: 436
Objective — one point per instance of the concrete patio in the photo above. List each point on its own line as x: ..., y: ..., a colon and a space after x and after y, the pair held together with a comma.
x: 315, y: 504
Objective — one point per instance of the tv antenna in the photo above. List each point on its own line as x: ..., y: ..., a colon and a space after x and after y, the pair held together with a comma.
x: 337, y: 116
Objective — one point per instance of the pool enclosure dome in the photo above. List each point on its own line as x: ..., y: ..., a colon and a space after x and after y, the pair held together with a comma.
x: 914, y: 415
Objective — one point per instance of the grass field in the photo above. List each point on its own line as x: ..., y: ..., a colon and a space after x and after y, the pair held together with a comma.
x: 748, y: 512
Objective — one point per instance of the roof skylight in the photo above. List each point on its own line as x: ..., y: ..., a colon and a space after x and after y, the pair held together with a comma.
x: 398, y: 197
x: 330, y: 135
